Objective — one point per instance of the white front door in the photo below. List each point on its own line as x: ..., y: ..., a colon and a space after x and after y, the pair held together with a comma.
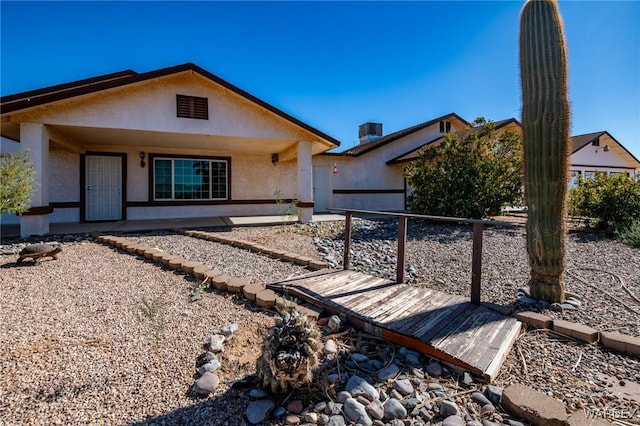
x: 321, y: 189
x: 103, y: 187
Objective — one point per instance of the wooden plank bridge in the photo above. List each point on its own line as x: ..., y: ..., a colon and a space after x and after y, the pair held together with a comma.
x: 452, y: 328
x: 444, y: 326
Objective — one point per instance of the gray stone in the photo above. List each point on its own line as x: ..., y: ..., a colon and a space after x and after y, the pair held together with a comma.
x: 335, y: 323
x: 556, y: 307
x: 480, y: 398
x: 410, y: 403
x: 454, y: 420
x: 205, y: 358
x: 467, y: 378
x: 486, y: 422
x: 359, y: 357
x: 517, y: 423
x: 330, y: 347
x: 211, y: 366
x: 279, y: 412
x: 448, y: 408
x: 524, y: 290
x: 228, y: 330
x: 403, y: 386
x: 435, y: 386
x: 215, y: 343
x: 258, y: 411
x: 375, y: 409
x: 356, y: 412
x: 533, y: 406
x: 342, y: 396
x: 412, y: 359
x: 473, y: 423
x: 333, y: 378
x: 320, y: 407
x: 493, y: 393
x: 206, y: 384
x: 388, y: 372
x: 568, y: 307
x: 311, y: 418
x: 488, y: 409
x: 323, y: 419
x: 434, y: 368
x: 336, y: 420
x: 258, y: 393
x: 393, y: 409
x: 359, y: 386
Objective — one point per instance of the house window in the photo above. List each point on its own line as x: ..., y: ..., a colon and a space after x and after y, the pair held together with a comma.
x: 596, y: 142
x: 192, y: 107
x: 445, y: 127
x: 574, y: 178
x: 190, y: 179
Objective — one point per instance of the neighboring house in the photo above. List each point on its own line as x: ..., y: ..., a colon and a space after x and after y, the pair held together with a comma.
x: 600, y: 153
x: 173, y: 143
x: 365, y: 176
x: 370, y: 176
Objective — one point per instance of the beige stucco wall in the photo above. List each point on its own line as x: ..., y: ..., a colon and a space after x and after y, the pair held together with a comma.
x: 369, y: 171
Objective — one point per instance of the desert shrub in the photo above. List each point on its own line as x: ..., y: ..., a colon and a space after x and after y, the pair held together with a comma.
x: 17, y: 177
x: 629, y: 234
x: 471, y: 174
x: 610, y: 202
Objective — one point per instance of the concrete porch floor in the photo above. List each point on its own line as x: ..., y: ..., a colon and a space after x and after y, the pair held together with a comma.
x: 12, y: 231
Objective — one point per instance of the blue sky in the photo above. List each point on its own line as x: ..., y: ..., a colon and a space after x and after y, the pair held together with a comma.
x: 335, y: 65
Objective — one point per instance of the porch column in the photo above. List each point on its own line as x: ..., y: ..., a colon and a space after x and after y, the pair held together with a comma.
x: 35, y: 138
x: 305, y: 182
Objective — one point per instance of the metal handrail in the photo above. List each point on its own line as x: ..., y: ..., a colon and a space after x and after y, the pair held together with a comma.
x: 476, y: 254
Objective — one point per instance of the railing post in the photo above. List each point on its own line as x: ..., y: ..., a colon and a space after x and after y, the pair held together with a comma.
x: 476, y: 262
x: 402, y: 240
x: 347, y: 241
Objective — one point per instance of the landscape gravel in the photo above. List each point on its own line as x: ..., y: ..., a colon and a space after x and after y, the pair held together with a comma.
x: 103, y: 337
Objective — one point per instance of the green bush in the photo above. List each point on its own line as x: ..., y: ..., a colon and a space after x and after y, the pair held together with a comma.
x: 472, y: 174
x: 17, y: 177
x: 609, y: 202
x: 629, y: 234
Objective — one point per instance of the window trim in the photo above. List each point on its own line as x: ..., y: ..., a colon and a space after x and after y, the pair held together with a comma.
x: 171, y: 201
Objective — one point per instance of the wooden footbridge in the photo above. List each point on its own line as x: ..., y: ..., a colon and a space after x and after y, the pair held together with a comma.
x: 452, y: 328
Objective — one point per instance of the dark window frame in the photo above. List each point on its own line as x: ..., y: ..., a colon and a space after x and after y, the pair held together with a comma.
x: 172, y: 157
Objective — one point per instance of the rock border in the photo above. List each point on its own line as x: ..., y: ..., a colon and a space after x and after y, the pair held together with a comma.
x: 614, y: 341
x: 298, y: 259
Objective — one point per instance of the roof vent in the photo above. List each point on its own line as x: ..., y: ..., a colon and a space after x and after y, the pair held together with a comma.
x: 369, y: 132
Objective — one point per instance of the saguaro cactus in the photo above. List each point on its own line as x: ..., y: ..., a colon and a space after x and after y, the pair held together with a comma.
x: 545, y: 121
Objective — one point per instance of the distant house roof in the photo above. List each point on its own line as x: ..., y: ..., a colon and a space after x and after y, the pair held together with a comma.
x: 415, y: 153
x: 24, y: 100
x: 580, y: 141
x: 363, y: 148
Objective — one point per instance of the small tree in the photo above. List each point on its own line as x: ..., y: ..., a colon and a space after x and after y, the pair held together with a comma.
x: 17, y: 177
x: 471, y: 174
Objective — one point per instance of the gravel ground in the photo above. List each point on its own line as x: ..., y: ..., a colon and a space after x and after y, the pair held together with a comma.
x: 101, y: 337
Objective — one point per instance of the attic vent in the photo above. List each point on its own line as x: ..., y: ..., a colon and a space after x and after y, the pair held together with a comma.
x: 445, y: 127
x: 192, y: 107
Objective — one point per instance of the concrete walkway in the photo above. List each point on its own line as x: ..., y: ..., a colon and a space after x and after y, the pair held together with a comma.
x: 11, y: 231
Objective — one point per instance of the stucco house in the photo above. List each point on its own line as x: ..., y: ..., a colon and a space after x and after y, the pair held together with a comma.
x: 370, y: 176
x: 177, y: 142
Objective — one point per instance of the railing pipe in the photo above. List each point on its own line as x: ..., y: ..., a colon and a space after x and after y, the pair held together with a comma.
x: 402, y: 240
x: 476, y: 262
x: 346, y: 262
